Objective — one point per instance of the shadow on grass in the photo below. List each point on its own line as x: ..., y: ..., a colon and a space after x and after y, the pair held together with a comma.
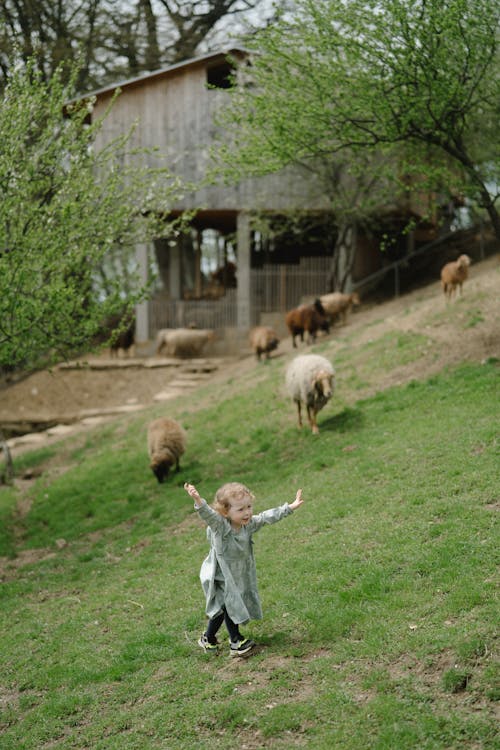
x: 347, y: 420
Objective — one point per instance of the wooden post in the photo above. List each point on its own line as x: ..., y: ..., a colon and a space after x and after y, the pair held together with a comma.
x: 174, y: 276
x: 142, y: 309
x: 197, y: 267
x: 283, y: 302
x: 243, y: 255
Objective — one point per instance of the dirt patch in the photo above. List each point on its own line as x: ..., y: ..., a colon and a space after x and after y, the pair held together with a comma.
x: 62, y: 394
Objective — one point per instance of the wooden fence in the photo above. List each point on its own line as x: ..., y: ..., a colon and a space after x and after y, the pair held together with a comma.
x: 277, y: 288
x: 202, y: 313
x: 273, y: 288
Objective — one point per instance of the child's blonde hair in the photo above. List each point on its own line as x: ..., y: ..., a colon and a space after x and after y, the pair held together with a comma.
x: 231, y: 491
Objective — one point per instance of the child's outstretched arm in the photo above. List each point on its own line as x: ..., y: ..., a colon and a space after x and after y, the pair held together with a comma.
x: 193, y: 492
x: 297, y: 502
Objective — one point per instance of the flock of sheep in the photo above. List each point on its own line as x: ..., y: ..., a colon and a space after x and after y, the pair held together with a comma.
x: 309, y: 378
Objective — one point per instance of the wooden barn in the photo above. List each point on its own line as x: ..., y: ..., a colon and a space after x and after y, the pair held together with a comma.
x: 225, y: 273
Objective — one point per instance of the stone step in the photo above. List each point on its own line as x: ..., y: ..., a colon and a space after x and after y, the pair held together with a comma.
x: 168, y: 394
x: 192, y: 365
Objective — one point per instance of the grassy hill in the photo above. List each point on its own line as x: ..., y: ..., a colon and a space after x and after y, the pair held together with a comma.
x: 379, y: 594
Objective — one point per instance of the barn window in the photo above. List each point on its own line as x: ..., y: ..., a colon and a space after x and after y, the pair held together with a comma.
x: 220, y: 76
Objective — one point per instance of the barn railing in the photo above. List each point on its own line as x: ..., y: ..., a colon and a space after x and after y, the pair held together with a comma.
x: 472, y: 242
x: 202, y: 313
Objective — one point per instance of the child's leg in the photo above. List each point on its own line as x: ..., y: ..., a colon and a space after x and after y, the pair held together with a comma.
x: 213, y: 626
x: 240, y: 646
x: 232, y: 628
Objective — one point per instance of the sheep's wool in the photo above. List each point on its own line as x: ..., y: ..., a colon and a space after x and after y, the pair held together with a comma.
x: 300, y: 373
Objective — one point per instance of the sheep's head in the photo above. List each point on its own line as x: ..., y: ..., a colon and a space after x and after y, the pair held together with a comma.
x: 355, y: 298
x: 464, y: 261
x: 161, y: 470
x: 318, y: 306
x: 323, y: 384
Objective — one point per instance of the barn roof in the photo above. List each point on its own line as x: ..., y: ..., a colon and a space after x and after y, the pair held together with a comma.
x: 162, y: 72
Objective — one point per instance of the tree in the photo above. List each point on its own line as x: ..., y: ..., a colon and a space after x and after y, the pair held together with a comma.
x: 50, y: 33
x: 118, y: 39
x: 66, y: 208
x: 413, y: 85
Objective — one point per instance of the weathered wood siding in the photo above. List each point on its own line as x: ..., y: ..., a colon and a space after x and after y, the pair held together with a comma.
x: 174, y: 111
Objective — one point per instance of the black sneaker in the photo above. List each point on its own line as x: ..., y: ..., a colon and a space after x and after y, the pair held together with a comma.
x: 241, y: 648
x: 208, y: 648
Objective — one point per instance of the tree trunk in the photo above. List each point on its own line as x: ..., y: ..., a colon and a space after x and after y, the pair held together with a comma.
x: 152, y: 56
x: 344, y: 254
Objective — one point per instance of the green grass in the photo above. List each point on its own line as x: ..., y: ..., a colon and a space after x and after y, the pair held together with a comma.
x: 380, y: 616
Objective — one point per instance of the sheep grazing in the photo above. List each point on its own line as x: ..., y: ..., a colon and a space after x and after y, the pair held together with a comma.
x: 166, y: 444
x: 454, y: 274
x: 338, y: 305
x: 307, y: 318
x: 310, y: 381
x: 263, y: 340
x: 182, y: 342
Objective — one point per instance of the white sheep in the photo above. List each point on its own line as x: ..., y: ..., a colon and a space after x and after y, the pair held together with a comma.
x: 338, y: 304
x: 310, y: 381
x: 166, y: 444
x: 263, y: 340
x: 454, y: 274
x: 183, y: 342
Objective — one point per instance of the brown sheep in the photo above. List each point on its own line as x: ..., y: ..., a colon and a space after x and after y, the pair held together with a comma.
x: 118, y: 331
x: 454, y: 274
x: 307, y: 318
x: 339, y: 305
x: 166, y: 444
x: 263, y: 340
x: 124, y: 340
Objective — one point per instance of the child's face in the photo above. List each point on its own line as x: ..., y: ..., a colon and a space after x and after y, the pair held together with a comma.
x: 240, y: 512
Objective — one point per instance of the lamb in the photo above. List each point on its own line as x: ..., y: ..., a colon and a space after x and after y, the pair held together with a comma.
x: 183, y: 342
x: 454, y: 274
x: 166, y: 444
x: 310, y: 318
x: 338, y: 304
x: 263, y: 340
x: 310, y: 380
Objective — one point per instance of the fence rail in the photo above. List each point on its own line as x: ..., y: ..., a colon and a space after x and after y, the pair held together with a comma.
x: 471, y: 242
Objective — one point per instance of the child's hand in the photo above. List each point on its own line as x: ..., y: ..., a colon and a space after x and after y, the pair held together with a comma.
x: 298, y: 501
x: 193, y: 492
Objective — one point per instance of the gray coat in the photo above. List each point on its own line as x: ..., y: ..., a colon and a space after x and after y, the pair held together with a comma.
x: 228, y: 574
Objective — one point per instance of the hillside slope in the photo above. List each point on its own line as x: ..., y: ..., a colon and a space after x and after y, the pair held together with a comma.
x: 467, y: 330
x: 379, y: 594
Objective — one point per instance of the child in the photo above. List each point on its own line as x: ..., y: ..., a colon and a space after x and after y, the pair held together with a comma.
x: 228, y: 575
